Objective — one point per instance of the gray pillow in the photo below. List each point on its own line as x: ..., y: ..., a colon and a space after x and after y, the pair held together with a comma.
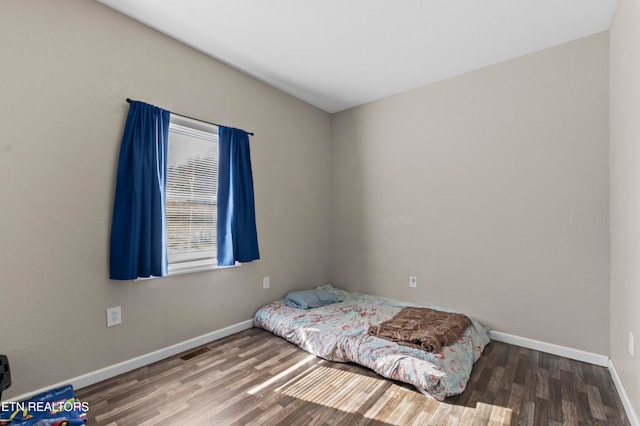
x: 305, y: 299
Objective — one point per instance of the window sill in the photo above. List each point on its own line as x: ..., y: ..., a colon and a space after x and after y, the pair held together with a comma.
x: 189, y: 268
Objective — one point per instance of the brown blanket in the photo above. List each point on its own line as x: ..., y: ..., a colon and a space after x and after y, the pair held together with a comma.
x: 422, y: 328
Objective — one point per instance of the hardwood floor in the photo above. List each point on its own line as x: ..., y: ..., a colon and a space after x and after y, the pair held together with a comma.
x: 254, y: 377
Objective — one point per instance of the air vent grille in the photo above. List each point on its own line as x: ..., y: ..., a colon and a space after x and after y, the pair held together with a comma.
x: 193, y: 354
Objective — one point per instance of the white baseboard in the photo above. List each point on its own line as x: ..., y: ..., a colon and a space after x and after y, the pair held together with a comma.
x: 125, y: 366
x: 626, y: 402
x: 550, y: 348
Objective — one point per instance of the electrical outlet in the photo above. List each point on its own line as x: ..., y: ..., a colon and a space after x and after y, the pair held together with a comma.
x: 114, y: 316
x: 413, y: 282
x: 631, y: 343
x: 266, y: 282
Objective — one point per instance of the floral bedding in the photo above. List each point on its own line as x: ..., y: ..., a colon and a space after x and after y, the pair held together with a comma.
x: 339, y: 332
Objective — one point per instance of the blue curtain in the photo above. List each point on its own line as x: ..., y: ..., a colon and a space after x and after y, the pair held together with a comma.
x: 237, y: 237
x: 138, y: 231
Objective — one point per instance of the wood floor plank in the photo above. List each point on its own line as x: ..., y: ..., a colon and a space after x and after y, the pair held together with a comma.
x: 584, y: 411
x: 542, y: 383
x: 555, y: 401
x: 254, y: 377
x: 595, y: 403
x: 569, y: 413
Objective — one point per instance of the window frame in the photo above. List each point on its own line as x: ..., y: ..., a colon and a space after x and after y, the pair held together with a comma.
x: 198, y: 265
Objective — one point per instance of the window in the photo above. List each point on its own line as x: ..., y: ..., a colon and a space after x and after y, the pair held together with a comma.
x: 192, y: 186
x: 192, y: 153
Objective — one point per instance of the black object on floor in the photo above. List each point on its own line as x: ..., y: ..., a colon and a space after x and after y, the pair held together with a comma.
x: 5, y: 374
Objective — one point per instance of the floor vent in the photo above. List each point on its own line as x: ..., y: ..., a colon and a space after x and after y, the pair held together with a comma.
x: 187, y: 357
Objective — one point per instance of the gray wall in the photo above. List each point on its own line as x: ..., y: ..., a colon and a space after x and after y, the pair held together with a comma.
x: 625, y: 194
x: 66, y: 68
x: 491, y: 188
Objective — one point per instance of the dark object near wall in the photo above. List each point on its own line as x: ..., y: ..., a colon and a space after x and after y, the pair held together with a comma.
x: 5, y: 374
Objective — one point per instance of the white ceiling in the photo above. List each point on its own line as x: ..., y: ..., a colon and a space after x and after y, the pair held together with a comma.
x: 336, y: 54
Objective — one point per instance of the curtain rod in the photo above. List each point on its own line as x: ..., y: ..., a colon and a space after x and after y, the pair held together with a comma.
x: 196, y: 119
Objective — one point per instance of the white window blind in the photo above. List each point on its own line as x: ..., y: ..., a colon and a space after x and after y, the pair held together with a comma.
x: 192, y: 186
